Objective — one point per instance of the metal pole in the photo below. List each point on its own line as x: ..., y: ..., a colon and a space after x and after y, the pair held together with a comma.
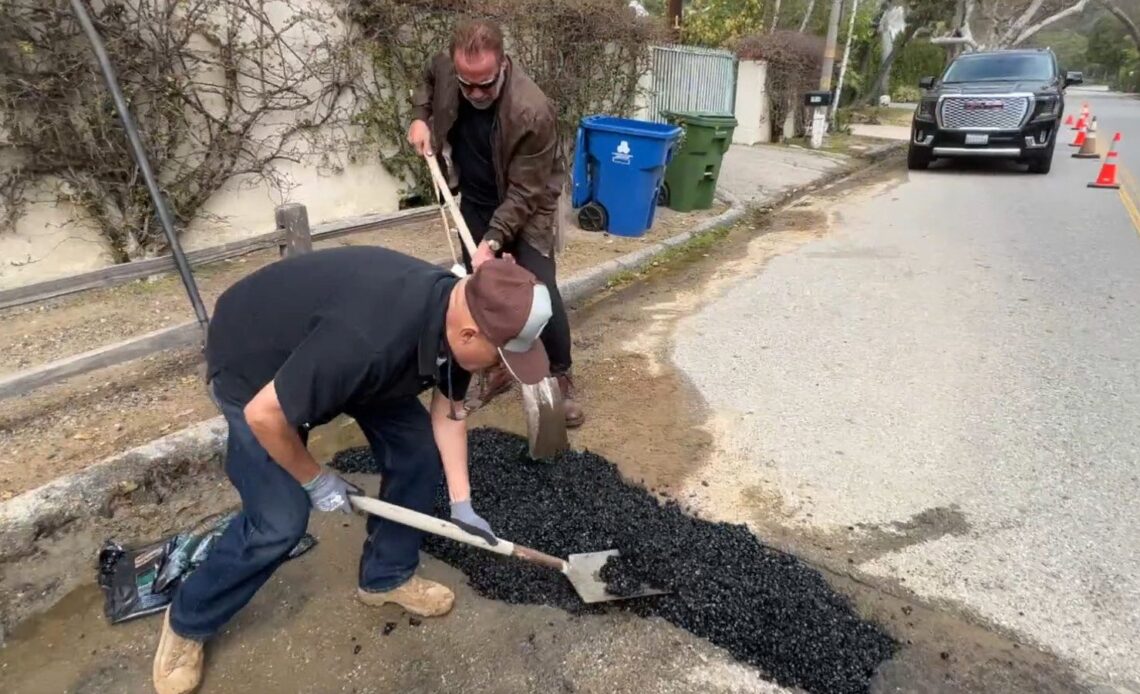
x: 846, y: 58
x: 819, y: 118
x: 674, y: 12
x: 141, y: 160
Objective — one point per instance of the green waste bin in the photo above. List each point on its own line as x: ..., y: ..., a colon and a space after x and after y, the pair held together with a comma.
x: 690, y: 179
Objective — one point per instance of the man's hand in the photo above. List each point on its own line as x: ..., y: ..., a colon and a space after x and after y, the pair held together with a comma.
x: 465, y: 517
x: 482, y: 254
x: 328, y: 491
x: 419, y: 137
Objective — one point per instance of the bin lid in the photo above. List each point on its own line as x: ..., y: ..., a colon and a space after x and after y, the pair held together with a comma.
x: 632, y: 127
x: 712, y: 119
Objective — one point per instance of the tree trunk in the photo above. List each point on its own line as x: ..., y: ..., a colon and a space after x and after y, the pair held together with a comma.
x: 807, y: 16
x: 882, y: 80
x: 775, y: 18
x: 1028, y: 32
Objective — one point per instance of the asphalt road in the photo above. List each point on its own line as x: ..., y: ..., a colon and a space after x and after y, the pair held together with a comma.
x: 962, y: 354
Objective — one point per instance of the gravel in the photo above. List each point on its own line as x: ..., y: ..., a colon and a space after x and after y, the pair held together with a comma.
x: 763, y: 606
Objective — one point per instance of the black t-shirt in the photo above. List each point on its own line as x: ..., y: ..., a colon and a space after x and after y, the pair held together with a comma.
x: 335, y: 330
x: 470, y: 140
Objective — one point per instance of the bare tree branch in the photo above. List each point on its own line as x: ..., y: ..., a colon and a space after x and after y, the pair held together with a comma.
x: 1129, y: 25
x: 1048, y: 21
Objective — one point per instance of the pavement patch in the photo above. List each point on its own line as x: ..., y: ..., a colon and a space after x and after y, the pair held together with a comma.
x: 764, y: 607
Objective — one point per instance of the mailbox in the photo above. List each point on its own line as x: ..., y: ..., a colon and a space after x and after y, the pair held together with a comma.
x: 817, y: 99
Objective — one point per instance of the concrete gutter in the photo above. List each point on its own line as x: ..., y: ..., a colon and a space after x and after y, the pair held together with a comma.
x: 50, y: 536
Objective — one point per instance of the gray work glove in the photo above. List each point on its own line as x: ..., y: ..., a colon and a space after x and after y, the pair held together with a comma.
x: 465, y: 517
x: 328, y: 491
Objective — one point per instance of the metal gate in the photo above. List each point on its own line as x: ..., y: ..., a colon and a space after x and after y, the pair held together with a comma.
x: 686, y: 78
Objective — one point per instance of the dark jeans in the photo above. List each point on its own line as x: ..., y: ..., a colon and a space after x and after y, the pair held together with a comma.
x: 556, y: 335
x: 275, y: 515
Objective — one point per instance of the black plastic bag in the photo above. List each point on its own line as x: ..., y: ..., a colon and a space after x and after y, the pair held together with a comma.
x: 141, y: 581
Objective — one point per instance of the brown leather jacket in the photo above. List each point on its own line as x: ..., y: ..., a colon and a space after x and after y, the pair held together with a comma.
x: 525, y: 148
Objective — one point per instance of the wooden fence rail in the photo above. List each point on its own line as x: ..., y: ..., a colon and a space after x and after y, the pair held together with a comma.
x: 292, y: 236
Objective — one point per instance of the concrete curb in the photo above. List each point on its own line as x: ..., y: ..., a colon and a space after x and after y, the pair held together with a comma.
x: 143, y: 493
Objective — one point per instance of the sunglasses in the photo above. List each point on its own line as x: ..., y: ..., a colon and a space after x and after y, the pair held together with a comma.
x: 484, y: 86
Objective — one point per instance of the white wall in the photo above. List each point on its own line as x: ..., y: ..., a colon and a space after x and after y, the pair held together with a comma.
x: 57, y: 239
x: 752, y: 108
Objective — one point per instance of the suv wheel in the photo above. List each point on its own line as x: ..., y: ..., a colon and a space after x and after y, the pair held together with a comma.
x: 917, y: 158
x: 1043, y: 163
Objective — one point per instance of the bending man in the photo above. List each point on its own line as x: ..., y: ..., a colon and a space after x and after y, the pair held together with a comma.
x: 361, y: 331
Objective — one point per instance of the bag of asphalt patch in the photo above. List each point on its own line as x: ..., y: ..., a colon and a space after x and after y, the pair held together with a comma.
x: 141, y: 581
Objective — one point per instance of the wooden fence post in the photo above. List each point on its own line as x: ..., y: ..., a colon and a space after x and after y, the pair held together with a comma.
x: 293, y: 219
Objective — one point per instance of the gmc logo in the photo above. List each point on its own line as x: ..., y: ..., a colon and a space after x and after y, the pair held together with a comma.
x: 983, y: 105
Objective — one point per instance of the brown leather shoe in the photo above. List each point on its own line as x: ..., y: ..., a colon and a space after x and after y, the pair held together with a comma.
x: 178, y: 662
x: 492, y: 383
x: 574, y: 414
x: 418, y: 596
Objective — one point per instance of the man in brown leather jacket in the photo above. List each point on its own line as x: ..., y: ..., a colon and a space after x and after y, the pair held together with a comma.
x: 496, y: 135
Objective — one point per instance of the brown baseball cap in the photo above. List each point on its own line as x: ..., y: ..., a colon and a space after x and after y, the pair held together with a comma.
x: 511, y: 307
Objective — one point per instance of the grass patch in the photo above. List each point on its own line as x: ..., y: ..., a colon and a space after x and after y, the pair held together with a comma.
x: 698, y: 246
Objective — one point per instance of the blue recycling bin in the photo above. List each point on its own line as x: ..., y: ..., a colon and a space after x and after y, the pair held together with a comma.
x: 619, y: 166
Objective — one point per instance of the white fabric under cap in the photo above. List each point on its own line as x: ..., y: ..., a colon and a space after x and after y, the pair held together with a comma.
x: 540, y: 313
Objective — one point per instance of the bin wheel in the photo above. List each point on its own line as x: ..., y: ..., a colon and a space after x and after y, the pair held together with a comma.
x: 593, y: 217
x: 663, y: 195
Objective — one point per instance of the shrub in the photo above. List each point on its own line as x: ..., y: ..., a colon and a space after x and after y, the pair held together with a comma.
x: 207, y: 82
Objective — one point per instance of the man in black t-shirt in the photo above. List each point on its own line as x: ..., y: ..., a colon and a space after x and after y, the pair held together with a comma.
x: 361, y: 331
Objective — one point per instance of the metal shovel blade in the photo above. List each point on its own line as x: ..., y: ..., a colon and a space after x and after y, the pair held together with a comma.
x: 584, y: 572
x: 545, y: 419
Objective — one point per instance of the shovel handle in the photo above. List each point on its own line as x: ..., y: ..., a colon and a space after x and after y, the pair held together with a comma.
x: 452, y: 207
x: 535, y: 557
x: 428, y: 524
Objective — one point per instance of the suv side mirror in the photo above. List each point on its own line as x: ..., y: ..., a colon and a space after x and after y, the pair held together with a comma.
x: 1073, y: 77
x: 926, y: 82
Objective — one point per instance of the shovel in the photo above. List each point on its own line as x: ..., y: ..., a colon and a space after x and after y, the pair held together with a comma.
x: 582, y: 569
x: 542, y: 403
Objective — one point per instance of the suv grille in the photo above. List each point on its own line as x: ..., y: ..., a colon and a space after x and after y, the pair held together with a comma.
x: 984, y: 112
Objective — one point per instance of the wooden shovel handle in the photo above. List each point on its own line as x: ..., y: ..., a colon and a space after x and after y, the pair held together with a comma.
x: 452, y: 207
x: 535, y: 557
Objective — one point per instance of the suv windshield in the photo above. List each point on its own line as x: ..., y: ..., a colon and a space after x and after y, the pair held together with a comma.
x: 988, y: 68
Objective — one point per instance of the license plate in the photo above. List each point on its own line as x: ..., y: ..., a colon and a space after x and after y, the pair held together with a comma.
x: 977, y: 139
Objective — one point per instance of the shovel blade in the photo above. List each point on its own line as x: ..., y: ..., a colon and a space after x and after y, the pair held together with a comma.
x: 545, y: 419
x: 584, y: 572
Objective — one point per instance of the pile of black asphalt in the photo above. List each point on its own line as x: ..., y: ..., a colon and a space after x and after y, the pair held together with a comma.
x: 763, y: 606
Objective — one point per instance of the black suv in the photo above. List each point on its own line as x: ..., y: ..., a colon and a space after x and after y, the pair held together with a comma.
x: 1004, y: 104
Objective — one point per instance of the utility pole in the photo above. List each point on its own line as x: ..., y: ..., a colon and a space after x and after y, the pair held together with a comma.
x: 819, y: 118
x: 674, y: 14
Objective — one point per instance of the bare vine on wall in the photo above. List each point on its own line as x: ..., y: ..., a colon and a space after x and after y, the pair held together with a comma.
x: 587, y: 55
x: 219, y: 89
x: 794, y: 64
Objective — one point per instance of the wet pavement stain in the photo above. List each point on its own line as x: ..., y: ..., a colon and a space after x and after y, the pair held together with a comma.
x: 763, y: 606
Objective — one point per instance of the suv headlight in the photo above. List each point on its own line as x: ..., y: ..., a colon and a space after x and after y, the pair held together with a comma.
x: 1047, y: 107
x: 926, y: 110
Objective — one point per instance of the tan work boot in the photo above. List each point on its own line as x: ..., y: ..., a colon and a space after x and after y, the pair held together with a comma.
x: 574, y: 414
x: 492, y: 383
x: 418, y: 596
x: 177, y: 662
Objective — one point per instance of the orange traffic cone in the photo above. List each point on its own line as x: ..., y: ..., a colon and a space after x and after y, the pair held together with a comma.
x: 1088, y: 147
x: 1107, y: 177
x: 1083, y: 120
x: 1079, y: 140
x: 1069, y: 121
